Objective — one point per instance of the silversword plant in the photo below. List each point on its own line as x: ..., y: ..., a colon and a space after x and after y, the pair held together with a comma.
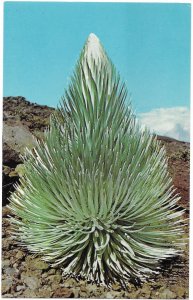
x: 96, y: 198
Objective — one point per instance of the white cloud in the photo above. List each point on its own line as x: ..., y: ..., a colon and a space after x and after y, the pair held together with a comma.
x: 172, y: 122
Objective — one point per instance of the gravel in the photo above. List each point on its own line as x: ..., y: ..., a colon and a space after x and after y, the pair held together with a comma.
x: 27, y: 276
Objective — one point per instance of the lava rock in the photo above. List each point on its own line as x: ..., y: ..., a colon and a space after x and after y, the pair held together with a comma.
x: 36, y: 264
x: 6, y: 285
x: 10, y: 271
x: 20, y: 287
x: 20, y: 254
x: 70, y: 282
x: 167, y: 294
x: 32, y: 282
x: 56, y: 279
x: 63, y: 293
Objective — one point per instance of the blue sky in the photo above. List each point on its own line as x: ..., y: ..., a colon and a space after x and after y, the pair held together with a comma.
x: 148, y: 43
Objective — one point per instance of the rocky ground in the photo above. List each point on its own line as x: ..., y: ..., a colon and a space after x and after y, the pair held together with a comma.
x: 27, y: 276
x: 22, y: 121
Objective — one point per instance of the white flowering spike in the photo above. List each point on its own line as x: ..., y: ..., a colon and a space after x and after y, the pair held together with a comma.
x: 93, y: 49
x: 96, y: 198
